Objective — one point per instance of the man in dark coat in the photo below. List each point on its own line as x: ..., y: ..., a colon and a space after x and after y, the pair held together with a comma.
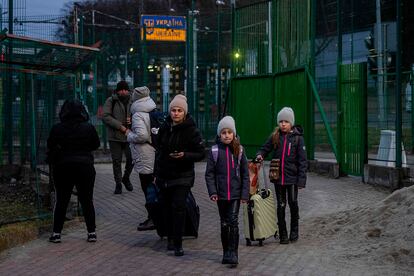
x: 117, y: 118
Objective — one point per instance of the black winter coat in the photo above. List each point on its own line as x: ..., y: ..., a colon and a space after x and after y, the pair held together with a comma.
x: 73, y: 139
x: 228, y: 178
x: 292, y: 154
x: 184, y: 137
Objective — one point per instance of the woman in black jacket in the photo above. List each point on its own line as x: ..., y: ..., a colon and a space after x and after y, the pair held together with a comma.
x: 70, y: 145
x: 180, y: 145
x: 288, y: 146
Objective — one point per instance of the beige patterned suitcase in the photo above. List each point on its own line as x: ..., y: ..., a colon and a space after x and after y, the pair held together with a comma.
x: 259, y: 215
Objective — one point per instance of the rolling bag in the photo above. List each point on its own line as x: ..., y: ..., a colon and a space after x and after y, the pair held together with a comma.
x: 259, y: 214
x: 192, y: 218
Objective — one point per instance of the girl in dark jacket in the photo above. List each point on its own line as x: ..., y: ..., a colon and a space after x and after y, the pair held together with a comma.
x: 288, y: 146
x: 180, y: 145
x: 70, y: 145
x: 227, y: 179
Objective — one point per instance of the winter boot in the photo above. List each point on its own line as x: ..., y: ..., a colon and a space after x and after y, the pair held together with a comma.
x: 118, y: 189
x: 225, y: 243
x: 294, y: 229
x: 294, y: 223
x: 178, y: 247
x: 283, y: 233
x: 127, y: 183
x: 233, y: 246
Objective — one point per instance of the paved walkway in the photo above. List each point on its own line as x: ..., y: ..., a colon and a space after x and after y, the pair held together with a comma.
x: 121, y: 250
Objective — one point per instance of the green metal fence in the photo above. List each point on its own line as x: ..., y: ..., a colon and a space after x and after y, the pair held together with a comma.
x: 272, y: 46
x: 352, y: 136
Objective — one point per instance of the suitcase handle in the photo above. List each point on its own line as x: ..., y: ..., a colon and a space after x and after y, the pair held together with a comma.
x: 265, y: 179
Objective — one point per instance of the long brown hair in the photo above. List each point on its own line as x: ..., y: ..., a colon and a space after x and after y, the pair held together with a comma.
x: 235, y: 146
x: 275, y: 137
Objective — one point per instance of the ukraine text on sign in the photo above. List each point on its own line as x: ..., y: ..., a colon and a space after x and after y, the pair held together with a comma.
x: 164, y: 28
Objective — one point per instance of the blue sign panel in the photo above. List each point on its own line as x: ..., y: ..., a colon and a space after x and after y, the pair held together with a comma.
x: 164, y: 21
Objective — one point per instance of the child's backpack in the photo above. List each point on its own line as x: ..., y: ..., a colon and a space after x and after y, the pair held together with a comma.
x: 214, y: 151
x: 157, y: 118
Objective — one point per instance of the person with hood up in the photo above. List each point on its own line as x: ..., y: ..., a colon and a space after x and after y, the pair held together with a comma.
x: 288, y: 146
x: 117, y: 118
x: 139, y: 137
x: 227, y: 180
x: 180, y: 146
x: 70, y: 145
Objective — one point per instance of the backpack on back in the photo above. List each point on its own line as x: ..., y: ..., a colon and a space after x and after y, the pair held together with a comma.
x: 214, y: 151
x: 157, y: 118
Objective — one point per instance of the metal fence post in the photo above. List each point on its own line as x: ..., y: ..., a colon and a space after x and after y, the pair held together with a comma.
x: 398, y: 104
x: 22, y: 129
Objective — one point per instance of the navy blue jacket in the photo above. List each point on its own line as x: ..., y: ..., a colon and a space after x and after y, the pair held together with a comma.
x: 292, y: 154
x: 229, y: 177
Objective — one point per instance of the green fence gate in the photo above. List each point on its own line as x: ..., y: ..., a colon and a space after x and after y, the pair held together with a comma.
x: 353, y: 118
x: 255, y: 102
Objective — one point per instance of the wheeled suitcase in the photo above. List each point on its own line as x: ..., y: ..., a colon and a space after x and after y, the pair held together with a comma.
x: 192, y: 219
x: 259, y: 215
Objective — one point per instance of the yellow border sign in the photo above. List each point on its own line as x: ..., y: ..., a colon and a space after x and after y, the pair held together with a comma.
x: 164, y: 28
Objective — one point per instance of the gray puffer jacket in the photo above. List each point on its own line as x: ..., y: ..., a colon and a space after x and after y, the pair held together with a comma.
x: 114, y: 116
x: 143, y: 154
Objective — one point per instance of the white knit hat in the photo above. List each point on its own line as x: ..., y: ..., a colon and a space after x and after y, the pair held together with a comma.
x: 226, y: 122
x: 179, y: 101
x: 286, y: 114
x: 139, y: 93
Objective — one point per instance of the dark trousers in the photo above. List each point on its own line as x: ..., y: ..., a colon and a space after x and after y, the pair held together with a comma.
x: 289, y: 194
x: 66, y: 176
x: 146, y: 179
x: 229, y: 212
x: 117, y: 149
x: 174, y: 211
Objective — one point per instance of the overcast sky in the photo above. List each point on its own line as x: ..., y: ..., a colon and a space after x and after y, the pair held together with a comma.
x: 44, y: 7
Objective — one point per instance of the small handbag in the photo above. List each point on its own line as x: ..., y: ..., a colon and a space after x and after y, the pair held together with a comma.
x: 274, y: 170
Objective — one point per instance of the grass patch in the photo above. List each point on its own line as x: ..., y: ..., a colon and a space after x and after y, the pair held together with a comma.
x: 18, y: 233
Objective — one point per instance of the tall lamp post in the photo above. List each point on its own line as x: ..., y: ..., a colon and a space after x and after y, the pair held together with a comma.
x: 219, y: 3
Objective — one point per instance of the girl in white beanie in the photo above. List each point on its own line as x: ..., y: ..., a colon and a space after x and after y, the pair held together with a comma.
x: 288, y: 147
x: 227, y: 179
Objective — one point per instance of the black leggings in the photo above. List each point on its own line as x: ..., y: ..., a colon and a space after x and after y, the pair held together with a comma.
x: 287, y: 193
x: 66, y: 176
x: 174, y: 199
x: 229, y: 212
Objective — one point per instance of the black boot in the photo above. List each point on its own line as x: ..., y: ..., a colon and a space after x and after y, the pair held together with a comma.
x: 127, y: 183
x: 283, y: 232
x: 233, y: 246
x: 294, y: 222
x: 118, y: 189
x: 284, y: 239
x: 178, y: 247
x: 225, y: 243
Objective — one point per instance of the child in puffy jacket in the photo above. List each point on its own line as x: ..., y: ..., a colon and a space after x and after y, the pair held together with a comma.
x: 227, y: 180
x: 288, y: 146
